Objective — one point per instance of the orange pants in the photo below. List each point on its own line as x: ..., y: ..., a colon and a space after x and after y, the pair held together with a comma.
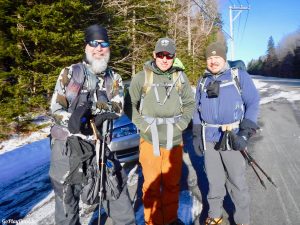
x: 161, y: 183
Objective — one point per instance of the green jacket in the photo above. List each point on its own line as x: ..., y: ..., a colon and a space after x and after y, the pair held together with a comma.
x: 170, y: 109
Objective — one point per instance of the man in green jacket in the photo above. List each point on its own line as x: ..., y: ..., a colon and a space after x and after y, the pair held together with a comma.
x: 162, y: 107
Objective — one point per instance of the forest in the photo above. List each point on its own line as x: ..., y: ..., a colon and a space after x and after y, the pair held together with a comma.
x: 282, y: 60
x: 39, y: 38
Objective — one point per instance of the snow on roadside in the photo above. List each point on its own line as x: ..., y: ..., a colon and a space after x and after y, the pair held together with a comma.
x: 20, y: 140
x: 44, y: 209
x: 290, y: 96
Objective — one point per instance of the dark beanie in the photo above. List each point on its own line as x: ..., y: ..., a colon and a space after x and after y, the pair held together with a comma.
x: 216, y: 49
x: 95, y: 32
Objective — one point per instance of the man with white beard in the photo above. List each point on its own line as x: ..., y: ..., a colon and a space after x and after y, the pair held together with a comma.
x: 81, y: 90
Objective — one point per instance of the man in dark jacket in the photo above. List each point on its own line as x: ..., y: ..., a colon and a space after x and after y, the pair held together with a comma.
x: 80, y: 89
x: 225, y: 118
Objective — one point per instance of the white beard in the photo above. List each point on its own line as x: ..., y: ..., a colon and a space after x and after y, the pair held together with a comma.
x: 97, y: 65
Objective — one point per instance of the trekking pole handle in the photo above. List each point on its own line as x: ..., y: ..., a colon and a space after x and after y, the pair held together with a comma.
x: 95, y: 132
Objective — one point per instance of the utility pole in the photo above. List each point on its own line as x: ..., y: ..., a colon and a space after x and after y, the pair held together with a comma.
x: 231, y: 20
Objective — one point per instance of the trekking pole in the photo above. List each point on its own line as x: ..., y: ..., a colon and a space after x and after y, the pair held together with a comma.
x: 255, y: 163
x: 251, y: 163
x: 97, y: 136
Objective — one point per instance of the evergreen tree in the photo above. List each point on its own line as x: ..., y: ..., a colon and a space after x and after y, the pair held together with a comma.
x: 287, y: 65
x: 138, y: 25
x: 255, y: 66
x: 270, y: 66
x: 297, y: 61
x: 41, y: 37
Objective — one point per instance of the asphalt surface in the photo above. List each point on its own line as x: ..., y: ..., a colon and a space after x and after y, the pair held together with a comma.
x: 276, y: 149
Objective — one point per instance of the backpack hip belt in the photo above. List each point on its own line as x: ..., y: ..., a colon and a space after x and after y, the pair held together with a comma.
x: 233, y: 125
x: 153, y: 122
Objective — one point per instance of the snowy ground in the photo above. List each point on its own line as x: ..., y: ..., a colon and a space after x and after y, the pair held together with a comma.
x: 26, y: 193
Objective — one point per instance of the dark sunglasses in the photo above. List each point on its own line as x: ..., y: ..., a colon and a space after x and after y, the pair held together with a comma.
x: 95, y: 44
x: 168, y: 56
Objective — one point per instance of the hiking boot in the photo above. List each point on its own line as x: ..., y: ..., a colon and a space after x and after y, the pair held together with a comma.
x: 176, y: 222
x: 213, y: 221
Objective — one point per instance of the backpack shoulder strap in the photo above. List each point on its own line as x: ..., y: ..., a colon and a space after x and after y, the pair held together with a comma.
x: 236, y: 79
x: 75, y: 84
x: 202, y: 83
x: 148, y: 81
x: 146, y: 87
x: 178, y: 80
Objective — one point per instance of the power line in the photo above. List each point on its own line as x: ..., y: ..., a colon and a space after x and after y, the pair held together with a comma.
x: 231, y: 20
x: 204, y: 10
x: 239, y: 23
x: 245, y: 26
x: 213, y: 19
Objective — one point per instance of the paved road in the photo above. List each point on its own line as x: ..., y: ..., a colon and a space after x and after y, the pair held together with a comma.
x: 278, y: 152
x: 276, y: 148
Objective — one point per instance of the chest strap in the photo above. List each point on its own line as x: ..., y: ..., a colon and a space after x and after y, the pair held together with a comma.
x: 153, y: 122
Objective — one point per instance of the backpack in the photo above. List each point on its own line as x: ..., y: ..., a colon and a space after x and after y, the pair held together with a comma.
x: 72, y: 82
x: 177, y: 78
x: 234, y: 80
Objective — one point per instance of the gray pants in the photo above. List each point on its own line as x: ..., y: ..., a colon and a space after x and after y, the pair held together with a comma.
x: 120, y: 210
x: 227, y: 168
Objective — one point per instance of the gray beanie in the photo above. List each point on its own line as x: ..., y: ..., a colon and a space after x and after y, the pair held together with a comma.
x: 95, y: 32
x: 216, y: 49
x: 165, y: 45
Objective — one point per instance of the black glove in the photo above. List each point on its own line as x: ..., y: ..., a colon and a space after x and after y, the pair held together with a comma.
x: 100, y: 118
x: 247, y: 130
x: 225, y: 143
x: 238, y: 143
x: 197, y: 139
x: 79, y: 120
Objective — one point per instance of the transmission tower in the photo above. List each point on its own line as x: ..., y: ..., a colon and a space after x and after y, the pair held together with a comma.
x: 238, y: 10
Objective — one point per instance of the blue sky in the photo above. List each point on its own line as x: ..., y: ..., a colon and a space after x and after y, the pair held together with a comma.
x: 253, y: 28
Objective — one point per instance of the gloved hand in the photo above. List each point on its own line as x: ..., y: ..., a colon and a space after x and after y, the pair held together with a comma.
x: 100, y: 118
x: 247, y: 129
x: 116, y: 106
x: 225, y: 143
x: 197, y: 139
x: 102, y: 105
x: 238, y: 143
x: 79, y: 120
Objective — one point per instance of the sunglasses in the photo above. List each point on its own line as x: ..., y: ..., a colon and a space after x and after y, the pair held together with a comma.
x: 95, y: 44
x: 168, y: 56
